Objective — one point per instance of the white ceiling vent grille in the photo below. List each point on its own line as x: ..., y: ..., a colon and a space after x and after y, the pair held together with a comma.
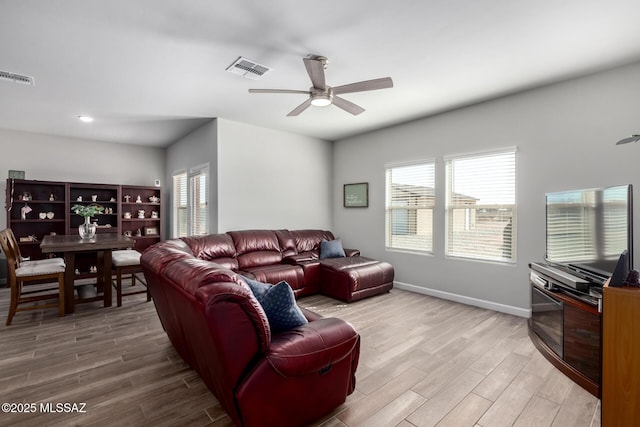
x: 248, y: 68
x: 17, y: 78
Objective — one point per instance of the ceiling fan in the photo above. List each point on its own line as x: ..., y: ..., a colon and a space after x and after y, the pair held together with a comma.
x: 632, y: 138
x: 320, y: 94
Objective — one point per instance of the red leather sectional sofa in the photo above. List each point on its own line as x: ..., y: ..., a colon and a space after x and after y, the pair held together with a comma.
x: 271, y: 256
x: 219, y: 328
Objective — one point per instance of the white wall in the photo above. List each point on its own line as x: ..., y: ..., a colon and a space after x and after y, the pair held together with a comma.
x: 54, y: 158
x: 272, y: 179
x: 197, y: 148
x: 565, y: 134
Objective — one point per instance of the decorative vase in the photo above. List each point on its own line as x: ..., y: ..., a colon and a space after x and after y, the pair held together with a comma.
x: 87, y: 230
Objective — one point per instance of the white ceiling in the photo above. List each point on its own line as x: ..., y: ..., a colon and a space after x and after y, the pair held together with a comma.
x: 149, y: 71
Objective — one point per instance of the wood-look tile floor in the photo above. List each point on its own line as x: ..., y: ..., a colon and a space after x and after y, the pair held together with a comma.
x: 423, y: 362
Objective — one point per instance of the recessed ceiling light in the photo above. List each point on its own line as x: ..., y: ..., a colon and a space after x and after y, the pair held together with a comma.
x: 85, y: 119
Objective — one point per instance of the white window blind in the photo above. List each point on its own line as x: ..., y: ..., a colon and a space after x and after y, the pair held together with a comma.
x: 199, y: 217
x: 409, y: 206
x: 180, y: 207
x: 481, y: 206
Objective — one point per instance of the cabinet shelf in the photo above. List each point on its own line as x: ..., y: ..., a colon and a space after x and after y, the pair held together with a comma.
x: 49, y: 202
x: 140, y: 204
x: 88, y: 202
x: 41, y: 221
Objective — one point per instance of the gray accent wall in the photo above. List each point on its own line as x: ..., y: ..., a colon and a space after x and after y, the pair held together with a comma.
x: 565, y: 135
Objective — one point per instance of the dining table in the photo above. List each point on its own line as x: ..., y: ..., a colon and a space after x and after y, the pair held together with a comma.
x: 70, y: 245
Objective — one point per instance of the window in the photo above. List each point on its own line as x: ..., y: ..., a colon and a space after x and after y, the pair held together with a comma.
x: 180, y: 218
x: 409, y: 206
x: 190, y: 202
x: 481, y: 206
x: 198, y: 182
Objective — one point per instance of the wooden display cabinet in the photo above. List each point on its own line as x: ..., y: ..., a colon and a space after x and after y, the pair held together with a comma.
x: 141, y: 214
x: 47, y: 210
x: 34, y: 210
x: 104, y: 195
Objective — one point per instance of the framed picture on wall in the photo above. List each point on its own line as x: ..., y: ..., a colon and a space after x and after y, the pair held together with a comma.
x: 356, y: 195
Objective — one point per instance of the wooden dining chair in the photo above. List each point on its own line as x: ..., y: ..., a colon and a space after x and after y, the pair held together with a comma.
x: 127, y: 262
x: 16, y: 248
x: 24, y: 274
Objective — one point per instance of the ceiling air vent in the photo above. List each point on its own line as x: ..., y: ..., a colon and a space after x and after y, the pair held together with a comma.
x: 17, y: 78
x: 248, y: 68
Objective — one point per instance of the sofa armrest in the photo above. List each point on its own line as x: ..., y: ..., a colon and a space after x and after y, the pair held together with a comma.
x: 311, y: 348
x: 352, y: 252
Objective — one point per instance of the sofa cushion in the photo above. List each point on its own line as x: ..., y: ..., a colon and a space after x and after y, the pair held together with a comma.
x: 292, y: 274
x: 172, y: 250
x: 278, y: 303
x: 331, y: 249
x: 256, y: 248
x: 287, y: 242
x: 312, y: 349
x: 218, y: 248
x: 192, y: 273
x: 309, y: 240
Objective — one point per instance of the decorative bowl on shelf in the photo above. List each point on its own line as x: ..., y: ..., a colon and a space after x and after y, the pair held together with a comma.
x: 154, y: 199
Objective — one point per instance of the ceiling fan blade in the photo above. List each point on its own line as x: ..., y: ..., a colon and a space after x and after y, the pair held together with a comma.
x: 315, y: 69
x: 347, y: 106
x: 632, y: 138
x: 365, y: 85
x: 300, y: 108
x: 303, y: 92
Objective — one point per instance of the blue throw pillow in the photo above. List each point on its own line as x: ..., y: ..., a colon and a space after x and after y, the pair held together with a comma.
x: 331, y: 249
x: 259, y: 289
x: 278, y: 303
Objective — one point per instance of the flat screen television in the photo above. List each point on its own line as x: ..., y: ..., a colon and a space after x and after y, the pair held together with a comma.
x: 588, y: 231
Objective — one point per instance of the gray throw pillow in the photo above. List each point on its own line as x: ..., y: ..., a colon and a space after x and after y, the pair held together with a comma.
x: 331, y: 249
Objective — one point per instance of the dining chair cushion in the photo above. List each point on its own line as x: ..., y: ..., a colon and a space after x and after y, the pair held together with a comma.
x: 125, y: 258
x: 38, y: 269
x: 46, y: 261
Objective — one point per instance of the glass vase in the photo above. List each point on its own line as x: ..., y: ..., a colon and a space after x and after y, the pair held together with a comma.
x: 87, y: 230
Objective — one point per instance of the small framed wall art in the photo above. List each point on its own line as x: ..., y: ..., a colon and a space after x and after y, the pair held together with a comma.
x: 356, y: 195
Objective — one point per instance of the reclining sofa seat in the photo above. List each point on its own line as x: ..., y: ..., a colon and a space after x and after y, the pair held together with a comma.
x: 219, y: 328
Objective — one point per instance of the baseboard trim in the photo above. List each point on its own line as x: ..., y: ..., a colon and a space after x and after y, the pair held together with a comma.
x: 490, y: 305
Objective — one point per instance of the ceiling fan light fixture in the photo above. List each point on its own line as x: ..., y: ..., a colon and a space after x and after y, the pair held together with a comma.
x: 321, y: 100
x: 322, y: 95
